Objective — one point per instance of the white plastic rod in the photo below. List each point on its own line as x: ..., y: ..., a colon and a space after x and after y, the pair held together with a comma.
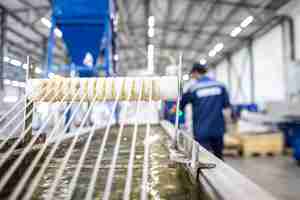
x: 26, y: 150
x: 73, y: 183
x: 12, y: 109
x: 165, y: 87
x: 15, y: 144
x: 93, y: 180
x: 20, y: 123
x: 112, y: 168
x: 34, y: 183
x: 37, y: 158
x: 178, y: 101
x: 144, y: 185
x: 66, y: 158
x: 127, y: 190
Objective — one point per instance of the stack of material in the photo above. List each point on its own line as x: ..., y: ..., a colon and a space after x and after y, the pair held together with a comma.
x: 262, y: 144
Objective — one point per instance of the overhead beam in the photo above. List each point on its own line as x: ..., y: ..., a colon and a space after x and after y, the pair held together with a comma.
x: 186, y: 16
x: 204, y: 21
x: 147, y: 14
x: 3, y: 39
x: 169, y: 47
x: 223, y: 24
x: 237, y: 4
x: 29, y: 40
x: 41, y: 8
x: 167, y: 17
x: 25, y: 23
x: 186, y: 31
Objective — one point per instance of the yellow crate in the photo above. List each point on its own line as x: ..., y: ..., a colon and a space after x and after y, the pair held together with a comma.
x: 262, y: 144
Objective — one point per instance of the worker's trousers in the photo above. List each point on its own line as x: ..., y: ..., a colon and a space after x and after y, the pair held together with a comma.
x: 214, y: 144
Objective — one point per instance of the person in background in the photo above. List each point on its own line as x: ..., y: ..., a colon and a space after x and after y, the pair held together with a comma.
x: 209, y: 100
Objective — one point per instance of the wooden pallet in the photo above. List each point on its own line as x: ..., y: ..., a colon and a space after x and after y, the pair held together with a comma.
x: 262, y: 144
x: 232, y: 145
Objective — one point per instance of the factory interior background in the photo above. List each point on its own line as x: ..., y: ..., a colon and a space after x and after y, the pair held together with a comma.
x: 62, y: 63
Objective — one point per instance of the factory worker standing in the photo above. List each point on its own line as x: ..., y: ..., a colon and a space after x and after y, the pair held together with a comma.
x: 209, y: 100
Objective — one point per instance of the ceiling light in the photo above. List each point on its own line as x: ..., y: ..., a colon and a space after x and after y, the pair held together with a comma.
x: 151, y: 21
x: 212, y: 53
x: 219, y: 47
x: 7, y: 82
x: 235, y: 31
x: 6, y: 59
x: 58, y: 33
x: 116, y: 57
x: 22, y: 84
x: 38, y: 70
x: 10, y: 99
x: 150, y: 58
x: 46, y: 22
x: 151, y: 32
x: 15, y: 83
x: 16, y: 63
x: 185, y: 77
x: 25, y: 66
x: 247, y: 21
x: 203, y: 61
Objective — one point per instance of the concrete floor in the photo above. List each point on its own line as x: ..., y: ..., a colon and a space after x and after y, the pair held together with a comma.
x: 278, y: 175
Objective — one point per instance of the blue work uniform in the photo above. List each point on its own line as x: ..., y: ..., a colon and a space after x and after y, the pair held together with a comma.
x: 208, y: 98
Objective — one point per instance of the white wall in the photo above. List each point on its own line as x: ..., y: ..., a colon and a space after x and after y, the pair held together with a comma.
x: 222, y: 73
x: 241, y: 77
x: 269, y: 72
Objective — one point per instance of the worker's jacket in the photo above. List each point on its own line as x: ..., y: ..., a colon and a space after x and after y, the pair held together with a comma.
x: 208, y: 98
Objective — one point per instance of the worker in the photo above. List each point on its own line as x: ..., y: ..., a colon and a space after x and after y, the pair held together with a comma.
x: 209, y: 99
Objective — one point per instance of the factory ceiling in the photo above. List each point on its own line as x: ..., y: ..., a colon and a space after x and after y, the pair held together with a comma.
x: 194, y: 27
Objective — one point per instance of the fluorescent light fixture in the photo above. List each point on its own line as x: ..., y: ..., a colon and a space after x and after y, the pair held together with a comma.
x: 151, y: 32
x: 48, y: 24
x: 247, y: 21
x: 25, y: 66
x: 58, y: 33
x: 7, y: 82
x: 212, y: 53
x: 22, y: 84
x: 150, y: 58
x: 38, y: 70
x: 235, y: 31
x: 116, y: 57
x: 151, y: 21
x: 219, y: 47
x: 10, y: 99
x: 185, y: 77
x: 16, y: 63
x: 15, y: 83
x: 203, y: 61
x: 6, y: 59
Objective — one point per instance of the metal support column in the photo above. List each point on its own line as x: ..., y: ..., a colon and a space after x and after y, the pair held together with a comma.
x: 2, y: 43
x: 252, y: 82
x: 229, y: 66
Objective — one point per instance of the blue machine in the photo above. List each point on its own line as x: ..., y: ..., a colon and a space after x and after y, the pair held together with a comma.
x: 169, y: 113
x: 87, y: 27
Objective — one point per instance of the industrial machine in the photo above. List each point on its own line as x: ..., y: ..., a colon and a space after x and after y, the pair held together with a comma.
x: 137, y: 161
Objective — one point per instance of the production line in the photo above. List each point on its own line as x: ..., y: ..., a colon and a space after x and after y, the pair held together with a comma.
x: 129, y: 149
x: 109, y: 123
